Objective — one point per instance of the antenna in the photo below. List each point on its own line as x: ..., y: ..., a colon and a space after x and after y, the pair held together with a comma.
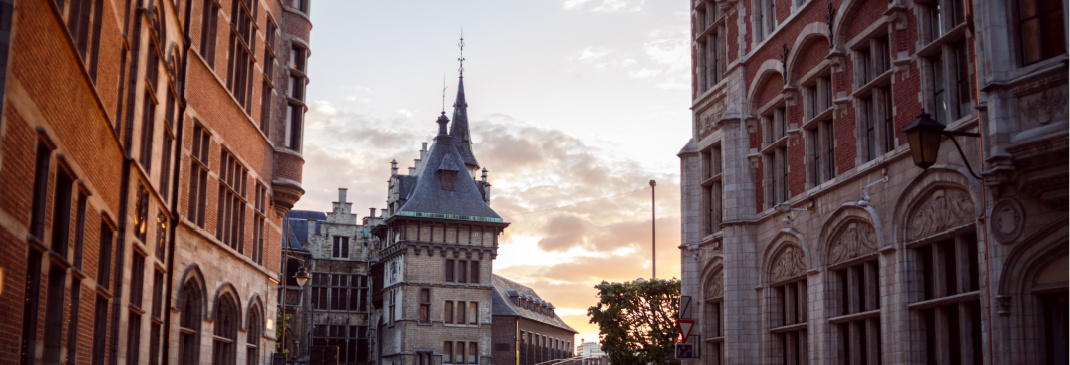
x: 461, y: 59
x: 443, y: 94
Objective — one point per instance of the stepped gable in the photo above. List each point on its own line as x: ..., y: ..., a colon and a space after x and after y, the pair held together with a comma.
x: 442, y: 164
x: 504, y: 305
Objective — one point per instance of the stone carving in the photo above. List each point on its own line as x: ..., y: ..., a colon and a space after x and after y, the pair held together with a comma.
x: 706, y: 122
x: 791, y: 262
x: 1003, y: 305
x: 1041, y: 108
x: 857, y: 239
x: 938, y: 211
x: 715, y: 285
x: 1008, y: 218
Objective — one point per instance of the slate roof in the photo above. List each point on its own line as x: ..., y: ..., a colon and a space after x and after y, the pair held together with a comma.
x: 427, y: 194
x: 503, y: 305
x: 295, y: 228
x: 462, y: 137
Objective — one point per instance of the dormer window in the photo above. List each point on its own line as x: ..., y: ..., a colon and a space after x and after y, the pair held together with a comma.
x: 447, y: 177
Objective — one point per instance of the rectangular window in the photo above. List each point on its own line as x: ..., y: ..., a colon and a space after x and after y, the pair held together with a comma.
x: 209, y: 20
x: 297, y: 87
x: 319, y: 290
x: 858, y: 335
x: 473, y: 272
x: 298, y: 58
x: 57, y: 280
x: 340, y: 248
x: 473, y: 313
x: 462, y: 271
x: 157, y: 317
x: 72, y: 320
x: 266, y: 104
x: 166, y: 154
x: 133, y: 338
x: 1040, y: 29
x: 425, y: 305
x: 952, y: 321
x: 40, y: 190
x: 104, y: 262
x: 447, y: 352
x: 79, y: 229
x: 240, y: 54
x: 962, y: 80
x: 791, y: 312
x: 939, y: 97
x: 461, y: 311
x: 61, y: 213
x: 294, y: 116
x: 338, y: 291
x: 473, y: 352
x: 230, y: 228
x: 148, y: 122
x: 449, y: 271
x: 198, y: 183
x: 447, y: 312
x: 259, y: 221
x: 100, y: 330
x: 459, y: 357
x: 137, y: 279
x: 141, y: 214
x: 31, y: 307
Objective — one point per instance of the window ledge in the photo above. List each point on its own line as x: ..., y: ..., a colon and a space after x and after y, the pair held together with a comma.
x: 884, y: 78
x: 956, y: 33
x: 789, y: 328
x: 855, y: 316
x: 712, y: 179
x: 951, y: 299
x: 769, y: 146
x: 824, y: 115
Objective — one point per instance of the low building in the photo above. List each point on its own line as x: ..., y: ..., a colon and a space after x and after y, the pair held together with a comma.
x: 522, y: 320
x: 591, y: 353
x: 331, y: 309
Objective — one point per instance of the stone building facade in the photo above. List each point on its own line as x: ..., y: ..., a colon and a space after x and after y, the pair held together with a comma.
x: 432, y: 254
x: 526, y: 329
x: 146, y: 163
x: 332, y: 308
x: 809, y: 235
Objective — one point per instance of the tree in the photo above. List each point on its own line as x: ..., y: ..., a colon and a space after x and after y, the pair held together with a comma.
x: 637, y: 320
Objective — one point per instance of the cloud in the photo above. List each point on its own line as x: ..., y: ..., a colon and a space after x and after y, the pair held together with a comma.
x: 605, y: 6
x: 590, y: 53
x: 583, y: 209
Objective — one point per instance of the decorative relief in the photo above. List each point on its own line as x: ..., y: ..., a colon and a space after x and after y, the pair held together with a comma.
x: 1008, y: 218
x: 939, y: 211
x: 1039, y: 109
x: 1003, y: 305
x: 857, y: 239
x: 790, y: 263
x: 715, y: 285
x: 707, y: 120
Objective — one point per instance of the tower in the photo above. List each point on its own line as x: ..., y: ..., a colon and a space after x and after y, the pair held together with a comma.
x: 431, y: 266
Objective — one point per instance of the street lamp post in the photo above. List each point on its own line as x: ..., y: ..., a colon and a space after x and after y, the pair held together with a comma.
x: 301, y: 277
x: 653, y: 246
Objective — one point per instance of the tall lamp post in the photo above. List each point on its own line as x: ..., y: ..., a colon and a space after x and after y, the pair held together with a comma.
x: 653, y: 246
x: 301, y: 277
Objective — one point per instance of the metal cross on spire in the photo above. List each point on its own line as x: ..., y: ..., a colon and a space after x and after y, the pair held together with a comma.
x: 461, y: 59
x: 443, y: 94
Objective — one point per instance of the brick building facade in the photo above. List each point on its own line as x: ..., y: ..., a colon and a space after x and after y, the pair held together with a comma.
x: 810, y: 237
x: 146, y: 161
x: 808, y: 233
x: 332, y: 308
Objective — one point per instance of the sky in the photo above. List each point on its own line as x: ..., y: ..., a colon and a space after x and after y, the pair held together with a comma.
x: 574, y: 106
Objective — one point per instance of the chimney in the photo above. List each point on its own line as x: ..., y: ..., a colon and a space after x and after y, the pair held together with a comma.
x: 371, y: 212
x: 393, y: 167
x: 382, y: 212
x: 412, y: 170
x: 423, y: 151
x: 342, y: 195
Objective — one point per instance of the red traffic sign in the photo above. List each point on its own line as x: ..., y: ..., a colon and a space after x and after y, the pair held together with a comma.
x: 685, y: 351
x: 684, y: 326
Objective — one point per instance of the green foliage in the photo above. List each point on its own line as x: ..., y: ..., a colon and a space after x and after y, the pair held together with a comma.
x: 283, y: 324
x: 637, y: 320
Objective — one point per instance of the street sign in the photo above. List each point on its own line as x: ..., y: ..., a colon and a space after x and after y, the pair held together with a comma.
x: 684, y: 351
x: 685, y: 307
x: 684, y: 326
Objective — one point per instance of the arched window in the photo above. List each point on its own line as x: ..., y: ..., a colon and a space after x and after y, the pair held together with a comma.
x: 713, y: 317
x: 787, y: 308
x: 255, y: 330
x: 226, y: 330
x: 189, y: 327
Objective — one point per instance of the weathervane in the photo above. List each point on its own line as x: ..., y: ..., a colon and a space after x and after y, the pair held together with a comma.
x: 461, y: 59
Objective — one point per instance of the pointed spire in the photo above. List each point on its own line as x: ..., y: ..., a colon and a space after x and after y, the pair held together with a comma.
x: 459, y: 128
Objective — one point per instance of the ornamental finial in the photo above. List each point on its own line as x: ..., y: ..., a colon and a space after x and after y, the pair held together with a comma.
x: 461, y: 59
